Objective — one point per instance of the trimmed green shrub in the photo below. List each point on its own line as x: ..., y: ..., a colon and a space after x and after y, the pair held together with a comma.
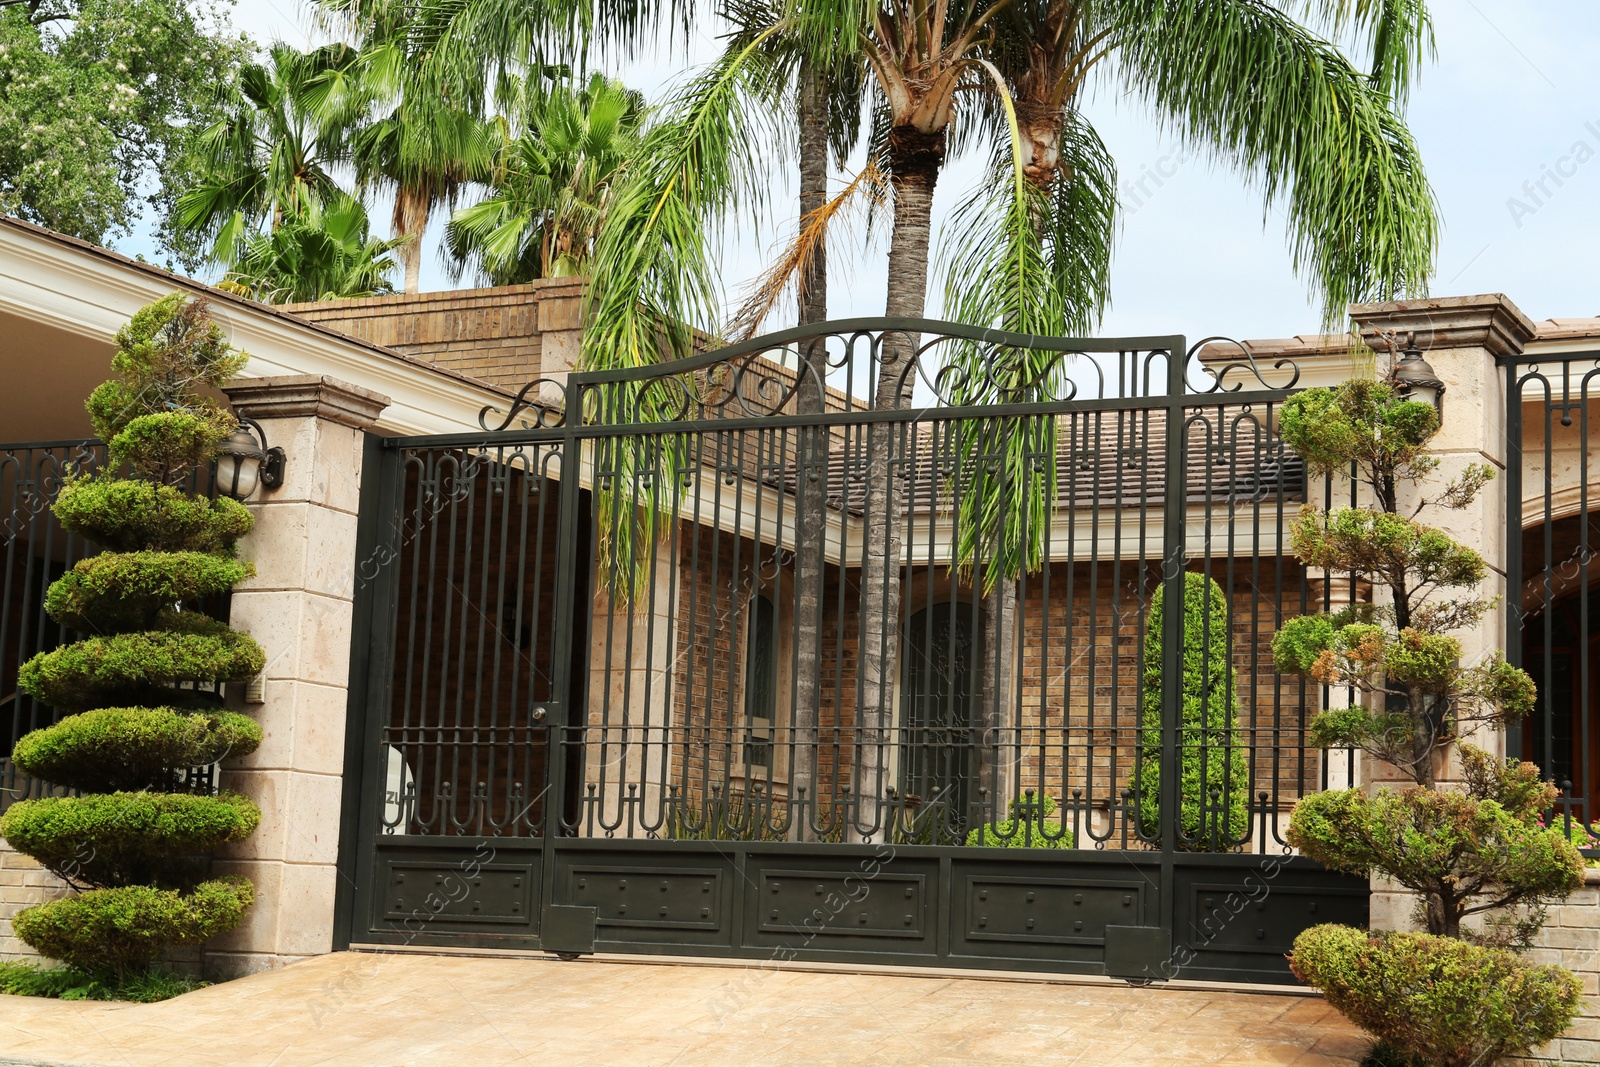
x: 1445, y: 1001
x: 1030, y: 826
x: 135, y: 839
x: 127, y: 928
x: 97, y: 670
x: 111, y: 749
x: 1466, y: 855
x: 124, y: 515
x: 111, y: 839
x: 130, y: 590
x: 1214, y: 783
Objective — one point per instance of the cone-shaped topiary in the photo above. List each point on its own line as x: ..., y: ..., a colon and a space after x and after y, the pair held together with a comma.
x: 136, y: 843
x: 1214, y: 777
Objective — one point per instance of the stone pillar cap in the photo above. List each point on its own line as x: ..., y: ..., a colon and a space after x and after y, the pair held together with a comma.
x: 298, y: 395
x: 1489, y: 321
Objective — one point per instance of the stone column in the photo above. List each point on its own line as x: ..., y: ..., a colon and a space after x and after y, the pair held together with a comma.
x: 299, y: 607
x: 1461, y: 337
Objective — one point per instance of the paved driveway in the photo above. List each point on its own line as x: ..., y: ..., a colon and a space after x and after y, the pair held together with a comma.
x: 404, y: 1010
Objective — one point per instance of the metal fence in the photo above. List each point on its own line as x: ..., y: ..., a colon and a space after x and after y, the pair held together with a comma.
x: 674, y: 610
x: 1553, y: 589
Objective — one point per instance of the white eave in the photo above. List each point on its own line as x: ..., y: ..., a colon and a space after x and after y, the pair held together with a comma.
x: 80, y: 288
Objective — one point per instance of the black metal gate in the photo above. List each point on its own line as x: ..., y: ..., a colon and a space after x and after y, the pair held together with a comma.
x: 659, y: 661
x: 1553, y: 590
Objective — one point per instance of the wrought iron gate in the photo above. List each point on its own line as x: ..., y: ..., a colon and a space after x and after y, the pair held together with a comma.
x: 1553, y: 595
x: 614, y: 691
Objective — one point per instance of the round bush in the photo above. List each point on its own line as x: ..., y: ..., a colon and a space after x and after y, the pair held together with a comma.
x: 126, y: 668
x: 1443, y: 1000
x: 111, y: 749
x: 127, y: 928
x: 110, y: 839
x: 1025, y: 829
x: 118, y: 591
x: 128, y: 515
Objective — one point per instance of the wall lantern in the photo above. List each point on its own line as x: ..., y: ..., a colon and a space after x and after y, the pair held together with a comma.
x: 244, y: 461
x: 1415, y: 378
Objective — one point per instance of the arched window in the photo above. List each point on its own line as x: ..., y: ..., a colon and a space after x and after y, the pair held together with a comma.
x: 760, y: 682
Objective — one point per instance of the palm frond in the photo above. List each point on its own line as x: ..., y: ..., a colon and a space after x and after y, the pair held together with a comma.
x: 1244, y: 82
x: 870, y: 185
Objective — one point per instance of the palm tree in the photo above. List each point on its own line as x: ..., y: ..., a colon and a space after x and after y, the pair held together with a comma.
x: 1241, y: 80
x: 276, y: 146
x: 551, y: 183
x: 317, y: 251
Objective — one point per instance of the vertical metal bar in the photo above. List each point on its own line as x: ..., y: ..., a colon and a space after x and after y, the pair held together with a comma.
x: 1173, y: 551
x: 1513, y: 491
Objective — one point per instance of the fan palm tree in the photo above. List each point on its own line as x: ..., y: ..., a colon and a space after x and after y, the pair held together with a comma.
x: 551, y: 183
x: 317, y: 251
x: 275, y: 147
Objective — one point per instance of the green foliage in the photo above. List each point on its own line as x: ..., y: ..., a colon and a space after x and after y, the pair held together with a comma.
x: 141, y: 666
x: 1445, y: 1001
x: 129, y: 515
x: 152, y: 415
x: 131, y: 836
x: 1030, y: 826
x: 1388, y: 546
x: 316, y: 251
x: 125, y: 929
x: 115, y: 749
x: 1214, y: 783
x: 26, y: 979
x: 564, y: 152
x: 119, y: 839
x: 1362, y: 421
x: 99, y: 103
x: 1465, y: 854
x: 115, y: 592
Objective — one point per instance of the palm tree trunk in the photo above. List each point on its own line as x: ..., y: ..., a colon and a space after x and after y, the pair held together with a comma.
x: 811, y: 514
x: 411, y: 209
x: 915, y: 157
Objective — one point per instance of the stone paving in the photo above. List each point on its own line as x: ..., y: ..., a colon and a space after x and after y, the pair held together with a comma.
x: 407, y: 1010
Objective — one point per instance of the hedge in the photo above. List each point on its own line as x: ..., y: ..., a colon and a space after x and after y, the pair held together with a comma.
x: 128, y: 927
x: 111, y: 749
x: 1212, y: 755
x: 108, y: 839
x: 129, y: 516
x: 1446, y: 1001
x: 120, y: 591
x: 105, y: 670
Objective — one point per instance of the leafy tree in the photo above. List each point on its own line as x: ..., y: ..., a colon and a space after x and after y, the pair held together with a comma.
x: 1213, y: 762
x: 315, y: 252
x: 1452, y: 995
x: 100, y: 104
x: 557, y: 169
x: 133, y: 841
x: 1400, y: 652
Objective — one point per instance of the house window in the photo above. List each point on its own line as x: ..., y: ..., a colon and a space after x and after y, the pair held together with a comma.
x: 760, y: 682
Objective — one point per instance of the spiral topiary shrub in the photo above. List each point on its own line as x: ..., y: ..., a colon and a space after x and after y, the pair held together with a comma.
x: 1440, y: 1000
x: 1214, y: 765
x: 133, y: 845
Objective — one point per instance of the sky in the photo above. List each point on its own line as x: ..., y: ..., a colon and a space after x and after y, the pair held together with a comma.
x: 1507, y: 118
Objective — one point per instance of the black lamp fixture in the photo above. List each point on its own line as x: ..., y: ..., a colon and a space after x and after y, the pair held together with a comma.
x: 245, y: 461
x: 1415, y: 377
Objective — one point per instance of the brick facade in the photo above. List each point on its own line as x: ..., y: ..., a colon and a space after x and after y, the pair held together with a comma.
x: 494, y: 335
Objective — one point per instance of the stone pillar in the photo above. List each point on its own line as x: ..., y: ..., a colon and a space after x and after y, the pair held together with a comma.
x: 299, y: 606
x: 1461, y: 337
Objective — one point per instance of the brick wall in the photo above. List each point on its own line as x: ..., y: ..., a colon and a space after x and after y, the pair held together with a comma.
x: 1572, y: 939
x: 494, y: 335
x: 23, y: 883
